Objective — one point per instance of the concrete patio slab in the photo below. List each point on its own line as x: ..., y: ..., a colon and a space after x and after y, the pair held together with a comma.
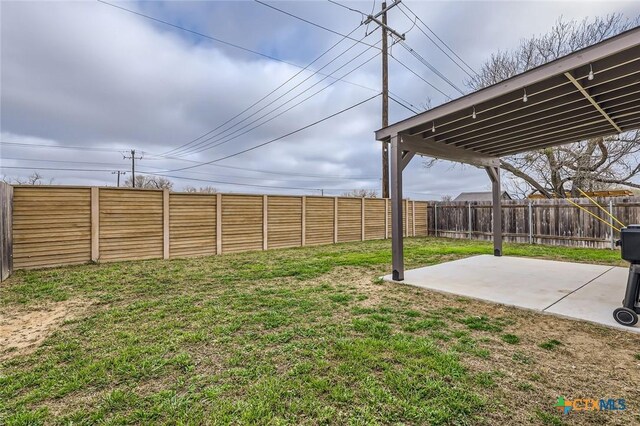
x: 596, y: 301
x: 574, y: 290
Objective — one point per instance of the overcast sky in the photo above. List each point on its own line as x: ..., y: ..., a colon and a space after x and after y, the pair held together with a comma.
x: 103, y: 80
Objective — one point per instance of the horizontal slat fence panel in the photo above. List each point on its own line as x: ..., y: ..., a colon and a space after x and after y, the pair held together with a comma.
x: 319, y: 220
x: 130, y: 224
x: 349, y: 219
x: 421, y: 219
x: 241, y: 223
x: 374, y: 218
x: 284, y: 221
x: 55, y: 225
x: 51, y: 226
x: 192, y: 225
x: 404, y: 219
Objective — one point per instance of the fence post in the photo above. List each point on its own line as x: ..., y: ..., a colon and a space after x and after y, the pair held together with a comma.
x: 406, y: 218
x: 6, y: 230
x: 265, y: 222
x: 362, y: 220
x: 386, y: 218
x: 426, y: 218
x: 413, y: 217
x: 304, y: 220
x: 435, y: 218
x: 335, y: 220
x: 165, y: 223
x: 613, y: 242
x: 469, y: 217
x: 95, y: 224
x: 218, y: 223
x: 530, y: 223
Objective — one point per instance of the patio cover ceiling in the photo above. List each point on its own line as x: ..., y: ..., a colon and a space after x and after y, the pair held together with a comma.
x: 549, y: 105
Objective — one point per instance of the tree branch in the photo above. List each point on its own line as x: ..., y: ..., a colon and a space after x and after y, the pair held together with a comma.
x: 519, y: 173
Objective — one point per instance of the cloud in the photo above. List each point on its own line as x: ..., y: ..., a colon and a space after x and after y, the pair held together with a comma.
x: 86, y: 74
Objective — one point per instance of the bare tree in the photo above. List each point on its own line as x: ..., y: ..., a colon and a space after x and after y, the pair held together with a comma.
x: 202, y: 189
x: 446, y: 198
x: 361, y: 193
x: 149, y: 182
x: 593, y: 164
x: 34, y: 178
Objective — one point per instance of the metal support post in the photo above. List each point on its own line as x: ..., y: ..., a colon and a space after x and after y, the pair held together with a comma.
x: 397, y: 243
x: 494, y: 175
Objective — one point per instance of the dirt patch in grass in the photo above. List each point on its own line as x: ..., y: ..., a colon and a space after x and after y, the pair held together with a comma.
x: 23, y: 330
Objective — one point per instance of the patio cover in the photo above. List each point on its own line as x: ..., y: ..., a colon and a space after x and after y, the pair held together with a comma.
x: 593, y: 92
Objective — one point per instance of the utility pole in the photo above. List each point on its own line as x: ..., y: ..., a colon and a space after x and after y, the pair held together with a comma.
x: 385, y: 84
x: 118, y: 172
x: 385, y: 103
x: 133, y: 159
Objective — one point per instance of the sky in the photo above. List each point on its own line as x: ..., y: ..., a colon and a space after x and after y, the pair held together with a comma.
x: 84, y: 83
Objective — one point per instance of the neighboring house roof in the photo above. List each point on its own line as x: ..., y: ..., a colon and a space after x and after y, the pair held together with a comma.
x: 480, y: 196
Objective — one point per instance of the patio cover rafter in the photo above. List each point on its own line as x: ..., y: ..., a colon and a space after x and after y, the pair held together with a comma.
x: 593, y: 102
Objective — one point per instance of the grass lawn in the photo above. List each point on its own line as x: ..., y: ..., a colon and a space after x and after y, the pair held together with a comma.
x: 298, y: 336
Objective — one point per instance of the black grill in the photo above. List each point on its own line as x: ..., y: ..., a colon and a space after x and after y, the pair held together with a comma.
x: 630, y: 243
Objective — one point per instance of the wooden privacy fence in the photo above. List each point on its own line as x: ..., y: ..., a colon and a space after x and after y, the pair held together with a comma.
x: 540, y: 221
x: 70, y: 225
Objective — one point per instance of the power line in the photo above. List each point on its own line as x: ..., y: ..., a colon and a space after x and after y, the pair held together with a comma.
x: 222, y: 140
x: 84, y: 148
x: 241, y: 47
x: 202, y: 145
x: 429, y: 66
x: 351, y: 9
x: 403, y: 105
x: 415, y: 54
x: 280, y: 137
x: 439, y: 39
x: 312, y: 23
x: 232, y: 183
x: 265, y: 96
x: 419, y: 76
x: 251, y: 185
x: 216, y: 39
x: 323, y: 176
x: 61, y: 161
x: 417, y: 18
x: 57, y: 169
x: 385, y: 88
x: 185, y: 178
x: 160, y: 174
